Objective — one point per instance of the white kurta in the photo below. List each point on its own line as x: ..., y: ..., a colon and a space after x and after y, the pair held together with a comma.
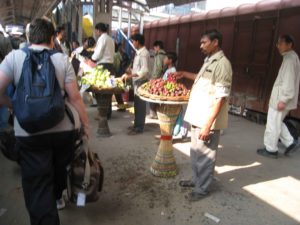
x: 285, y: 89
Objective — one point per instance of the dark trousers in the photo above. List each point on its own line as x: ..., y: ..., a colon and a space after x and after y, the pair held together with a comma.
x: 203, y: 158
x: 43, y: 161
x: 119, y: 99
x: 139, y: 113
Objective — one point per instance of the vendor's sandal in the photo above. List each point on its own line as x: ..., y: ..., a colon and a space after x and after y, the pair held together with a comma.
x: 186, y: 183
x: 195, y: 196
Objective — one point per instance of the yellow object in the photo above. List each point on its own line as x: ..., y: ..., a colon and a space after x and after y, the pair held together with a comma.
x: 131, y: 110
x: 87, y: 25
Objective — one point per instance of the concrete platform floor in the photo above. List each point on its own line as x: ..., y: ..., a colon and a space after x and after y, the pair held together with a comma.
x: 249, y: 189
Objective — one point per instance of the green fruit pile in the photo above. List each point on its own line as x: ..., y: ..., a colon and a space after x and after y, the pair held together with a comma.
x: 100, y: 78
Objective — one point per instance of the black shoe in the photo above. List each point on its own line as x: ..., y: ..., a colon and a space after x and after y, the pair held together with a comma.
x: 266, y: 153
x: 134, y: 131
x: 291, y: 148
x: 195, y: 196
x: 130, y: 128
x: 186, y: 183
x: 121, y: 110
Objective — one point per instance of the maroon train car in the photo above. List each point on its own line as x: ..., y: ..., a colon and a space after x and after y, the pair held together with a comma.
x: 250, y: 33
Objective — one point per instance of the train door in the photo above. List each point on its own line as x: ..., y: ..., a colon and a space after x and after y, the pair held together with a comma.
x: 252, y: 46
x: 194, y: 57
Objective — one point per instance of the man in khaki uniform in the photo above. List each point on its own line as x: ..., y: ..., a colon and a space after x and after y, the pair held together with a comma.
x: 158, y: 71
x: 284, y: 97
x: 207, y: 112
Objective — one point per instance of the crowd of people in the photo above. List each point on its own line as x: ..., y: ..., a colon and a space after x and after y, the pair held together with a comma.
x: 44, y: 156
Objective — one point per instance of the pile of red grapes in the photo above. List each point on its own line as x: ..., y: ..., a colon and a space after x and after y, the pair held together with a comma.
x: 168, y: 87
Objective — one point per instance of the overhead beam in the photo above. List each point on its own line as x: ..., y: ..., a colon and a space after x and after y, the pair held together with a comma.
x: 50, y: 7
x: 5, y: 9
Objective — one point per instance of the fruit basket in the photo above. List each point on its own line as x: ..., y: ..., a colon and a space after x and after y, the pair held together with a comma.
x: 164, y: 90
x: 101, y: 81
x: 103, y: 85
x: 170, y: 96
x: 107, y: 90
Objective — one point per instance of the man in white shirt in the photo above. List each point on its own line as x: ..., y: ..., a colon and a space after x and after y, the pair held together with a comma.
x: 139, y: 75
x: 105, y: 47
x: 104, y: 52
x: 284, y: 97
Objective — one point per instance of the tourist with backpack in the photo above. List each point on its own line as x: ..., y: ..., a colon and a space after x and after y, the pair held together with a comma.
x: 5, y: 48
x: 45, y: 84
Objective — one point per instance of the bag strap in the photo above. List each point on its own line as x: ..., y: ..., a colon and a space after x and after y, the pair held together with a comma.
x: 70, y: 115
x: 87, y: 171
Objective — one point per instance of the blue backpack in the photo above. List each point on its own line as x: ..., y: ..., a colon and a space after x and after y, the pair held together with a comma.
x: 38, y: 102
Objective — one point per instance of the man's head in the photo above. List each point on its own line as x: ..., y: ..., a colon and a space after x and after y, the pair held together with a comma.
x: 211, y: 42
x: 170, y: 59
x: 138, y: 41
x: 158, y: 45
x: 60, y: 33
x: 89, y: 43
x: 285, y: 43
x: 101, y: 28
x: 41, y: 32
x: 75, y: 44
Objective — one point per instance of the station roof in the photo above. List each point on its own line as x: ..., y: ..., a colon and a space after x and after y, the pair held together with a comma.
x: 23, y: 11
x: 156, y: 3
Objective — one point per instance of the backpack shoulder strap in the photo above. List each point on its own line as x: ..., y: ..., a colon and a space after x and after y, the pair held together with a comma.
x: 26, y: 49
x: 52, y: 51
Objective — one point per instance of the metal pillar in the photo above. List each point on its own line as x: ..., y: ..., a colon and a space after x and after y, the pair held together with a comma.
x: 73, y: 21
x: 141, y: 23
x: 80, y: 23
x: 103, y: 12
x: 120, y: 17
x: 129, y: 24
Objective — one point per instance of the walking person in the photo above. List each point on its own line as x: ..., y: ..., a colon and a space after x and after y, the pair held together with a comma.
x: 207, y: 112
x: 44, y: 155
x: 104, y: 52
x: 139, y: 75
x: 5, y: 48
x: 284, y: 98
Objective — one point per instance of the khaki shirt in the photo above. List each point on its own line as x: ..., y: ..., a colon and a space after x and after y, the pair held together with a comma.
x: 158, y: 67
x: 286, y: 86
x: 212, y: 82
